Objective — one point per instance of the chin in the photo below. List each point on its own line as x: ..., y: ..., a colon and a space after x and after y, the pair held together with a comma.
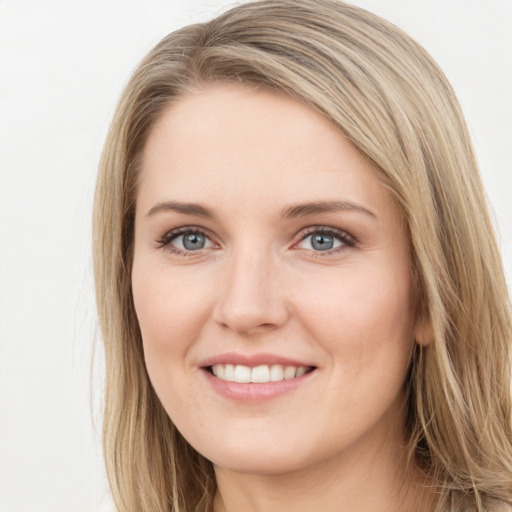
x: 257, y: 464
x: 252, y: 456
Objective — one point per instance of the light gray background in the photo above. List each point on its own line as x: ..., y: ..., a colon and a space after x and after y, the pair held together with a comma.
x: 63, y: 64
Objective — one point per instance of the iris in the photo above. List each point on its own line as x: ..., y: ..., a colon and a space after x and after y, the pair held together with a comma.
x: 322, y: 242
x: 194, y: 241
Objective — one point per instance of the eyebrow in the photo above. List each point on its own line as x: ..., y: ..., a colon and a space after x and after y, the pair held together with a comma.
x: 186, y: 208
x: 288, y: 212
x: 307, y: 209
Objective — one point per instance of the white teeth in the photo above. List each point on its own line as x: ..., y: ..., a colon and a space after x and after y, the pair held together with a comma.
x: 289, y: 372
x: 229, y: 374
x: 276, y: 373
x: 259, y: 374
x: 301, y: 371
x: 242, y: 374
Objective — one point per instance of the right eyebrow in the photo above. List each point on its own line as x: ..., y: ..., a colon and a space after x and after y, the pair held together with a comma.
x: 187, y: 208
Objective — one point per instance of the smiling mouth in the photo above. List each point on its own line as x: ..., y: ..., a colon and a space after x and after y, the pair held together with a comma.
x: 258, y: 374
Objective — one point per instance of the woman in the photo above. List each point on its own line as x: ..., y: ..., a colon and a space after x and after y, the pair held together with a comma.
x: 300, y: 294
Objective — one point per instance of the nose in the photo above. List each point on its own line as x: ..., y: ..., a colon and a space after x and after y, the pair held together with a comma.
x: 252, y: 296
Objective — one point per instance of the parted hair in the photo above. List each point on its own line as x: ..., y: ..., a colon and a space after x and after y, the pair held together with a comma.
x: 393, y: 103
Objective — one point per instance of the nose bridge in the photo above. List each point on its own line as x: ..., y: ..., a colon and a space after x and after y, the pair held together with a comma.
x: 251, y: 297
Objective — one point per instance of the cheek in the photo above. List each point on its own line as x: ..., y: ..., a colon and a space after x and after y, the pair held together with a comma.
x: 170, y: 310
x: 363, y: 318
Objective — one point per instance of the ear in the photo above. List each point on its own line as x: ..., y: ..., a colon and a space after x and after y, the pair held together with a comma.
x: 423, y: 332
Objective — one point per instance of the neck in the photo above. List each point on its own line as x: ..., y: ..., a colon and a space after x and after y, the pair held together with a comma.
x: 377, y: 482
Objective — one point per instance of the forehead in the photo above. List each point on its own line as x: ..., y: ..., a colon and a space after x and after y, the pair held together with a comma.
x: 249, y: 147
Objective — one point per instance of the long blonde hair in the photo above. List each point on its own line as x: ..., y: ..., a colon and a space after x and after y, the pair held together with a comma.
x: 388, y: 97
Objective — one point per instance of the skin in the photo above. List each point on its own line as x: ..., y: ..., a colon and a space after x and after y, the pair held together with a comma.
x: 259, y: 286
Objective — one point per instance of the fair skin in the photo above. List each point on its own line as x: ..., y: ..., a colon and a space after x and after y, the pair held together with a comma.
x: 263, y: 239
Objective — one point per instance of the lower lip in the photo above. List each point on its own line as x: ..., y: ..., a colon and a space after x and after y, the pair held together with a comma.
x: 255, y: 392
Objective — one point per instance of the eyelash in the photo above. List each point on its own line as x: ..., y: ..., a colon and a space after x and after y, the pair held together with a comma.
x: 346, y: 240
x: 165, y: 241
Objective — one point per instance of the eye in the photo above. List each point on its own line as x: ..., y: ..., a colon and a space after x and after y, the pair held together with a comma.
x: 184, y: 241
x: 325, y: 240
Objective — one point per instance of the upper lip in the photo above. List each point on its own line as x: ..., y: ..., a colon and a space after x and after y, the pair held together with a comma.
x: 251, y: 360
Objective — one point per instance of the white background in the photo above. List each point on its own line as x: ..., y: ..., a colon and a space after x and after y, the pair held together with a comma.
x: 63, y: 64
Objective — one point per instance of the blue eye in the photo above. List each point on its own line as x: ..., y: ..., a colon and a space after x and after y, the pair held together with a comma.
x: 193, y: 241
x: 186, y: 241
x: 322, y: 240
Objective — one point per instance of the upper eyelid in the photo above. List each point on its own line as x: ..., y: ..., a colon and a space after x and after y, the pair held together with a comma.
x: 329, y: 230
x: 175, y: 233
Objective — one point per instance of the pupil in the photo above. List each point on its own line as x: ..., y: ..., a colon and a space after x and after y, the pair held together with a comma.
x: 322, y: 242
x: 193, y: 241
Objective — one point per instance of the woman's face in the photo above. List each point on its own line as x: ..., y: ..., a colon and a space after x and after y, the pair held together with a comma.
x: 272, y: 285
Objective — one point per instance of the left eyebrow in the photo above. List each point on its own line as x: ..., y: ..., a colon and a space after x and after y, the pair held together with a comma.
x: 306, y: 209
